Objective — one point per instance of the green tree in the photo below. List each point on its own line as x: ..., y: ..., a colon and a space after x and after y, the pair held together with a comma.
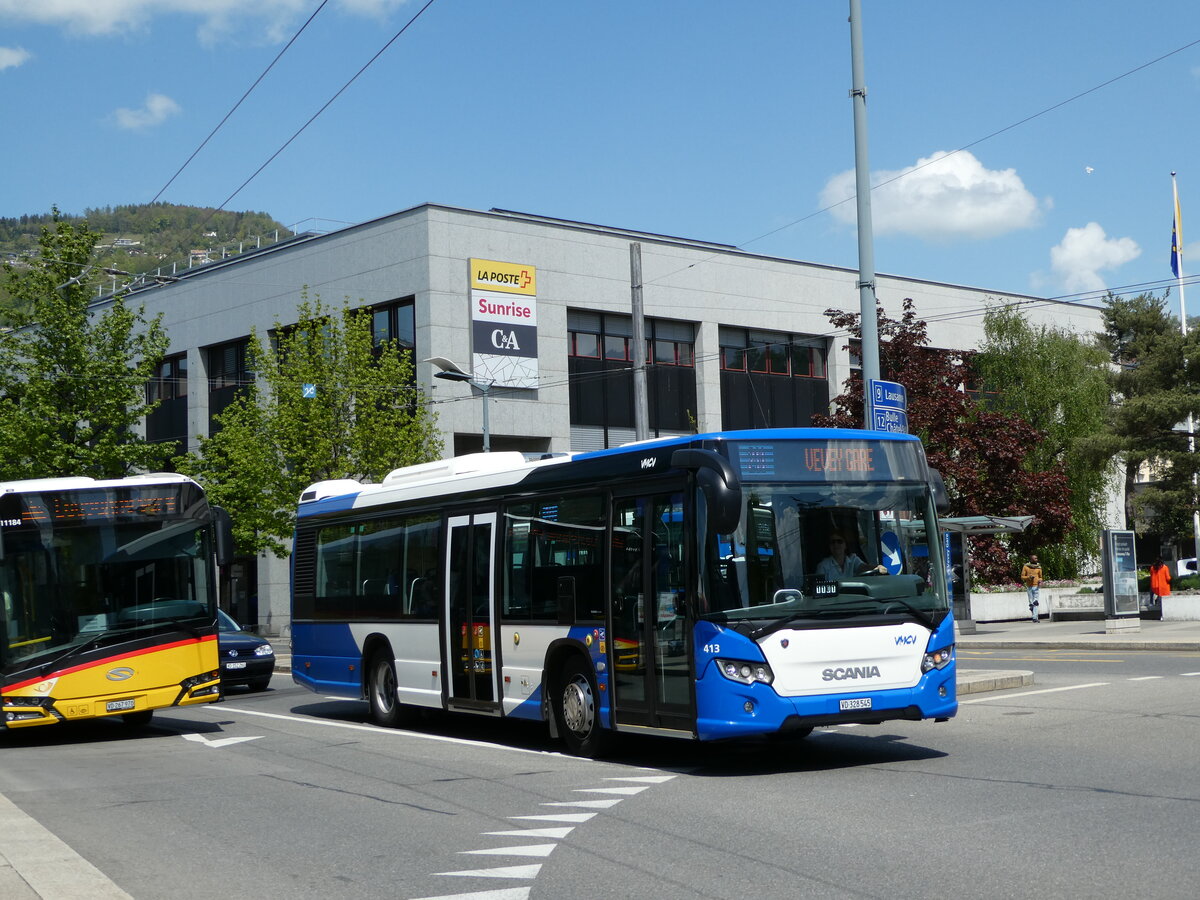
x: 367, y: 417
x: 1156, y: 385
x: 1058, y: 383
x: 73, y: 379
x: 982, y: 454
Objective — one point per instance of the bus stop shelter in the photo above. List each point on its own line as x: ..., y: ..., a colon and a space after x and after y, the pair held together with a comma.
x: 956, y: 547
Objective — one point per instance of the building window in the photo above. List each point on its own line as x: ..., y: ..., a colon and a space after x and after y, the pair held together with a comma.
x: 395, y: 321
x: 771, y: 379
x: 600, y: 347
x: 167, y: 422
x: 772, y: 353
x: 228, y: 375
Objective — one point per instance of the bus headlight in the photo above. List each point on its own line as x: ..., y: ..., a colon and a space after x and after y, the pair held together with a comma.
x: 937, y: 659
x: 745, y: 672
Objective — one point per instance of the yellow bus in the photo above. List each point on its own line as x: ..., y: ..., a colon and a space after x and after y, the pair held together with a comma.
x: 108, y: 593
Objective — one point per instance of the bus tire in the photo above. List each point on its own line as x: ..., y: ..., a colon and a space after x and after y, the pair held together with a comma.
x: 577, y: 711
x: 386, y: 710
x: 139, y: 719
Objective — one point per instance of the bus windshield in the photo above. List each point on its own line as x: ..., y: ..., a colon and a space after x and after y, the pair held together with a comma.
x: 823, y: 551
x: 69, y: 587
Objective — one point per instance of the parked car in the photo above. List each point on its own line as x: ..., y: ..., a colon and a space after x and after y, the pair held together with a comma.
x: 246, y: 659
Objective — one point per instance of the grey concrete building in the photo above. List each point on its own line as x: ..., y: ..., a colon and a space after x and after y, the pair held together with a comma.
x: 538, y: 309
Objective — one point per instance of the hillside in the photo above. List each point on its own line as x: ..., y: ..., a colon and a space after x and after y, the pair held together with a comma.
x: 142, y: 238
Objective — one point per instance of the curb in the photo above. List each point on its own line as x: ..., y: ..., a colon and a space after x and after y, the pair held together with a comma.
x: 978, y: 681
x: 1068, y: 644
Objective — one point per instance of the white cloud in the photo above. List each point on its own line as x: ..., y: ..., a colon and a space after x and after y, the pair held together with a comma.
x: 941, y: 197
x: 11, y: 57
x: 157, y: 110
x: 1084, y: 252
x: 215, y: 17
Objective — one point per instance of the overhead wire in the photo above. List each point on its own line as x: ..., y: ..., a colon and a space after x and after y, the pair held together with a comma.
x: 907, y: 172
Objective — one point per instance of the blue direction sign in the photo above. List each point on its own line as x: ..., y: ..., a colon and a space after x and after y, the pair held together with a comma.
x: 889, y: 420
x: 889, y: 406
x: 888, y: 395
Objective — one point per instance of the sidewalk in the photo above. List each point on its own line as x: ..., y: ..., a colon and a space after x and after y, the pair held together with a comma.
x: 1080, y: 635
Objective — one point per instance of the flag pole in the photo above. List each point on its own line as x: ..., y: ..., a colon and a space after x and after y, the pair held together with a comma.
x: 1177, y: 265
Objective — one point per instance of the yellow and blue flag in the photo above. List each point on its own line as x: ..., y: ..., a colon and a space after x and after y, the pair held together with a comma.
x: 1176, y: 237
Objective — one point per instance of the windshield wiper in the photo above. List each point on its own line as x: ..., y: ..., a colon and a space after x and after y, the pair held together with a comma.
x: 78, y: 650
x: 922, y: 617
x: 814, y: 613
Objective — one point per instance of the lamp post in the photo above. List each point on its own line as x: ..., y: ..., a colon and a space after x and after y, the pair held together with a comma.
x: 452, y: 371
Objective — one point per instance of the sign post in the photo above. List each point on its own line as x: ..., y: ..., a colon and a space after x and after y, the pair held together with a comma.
x: 889, y: 406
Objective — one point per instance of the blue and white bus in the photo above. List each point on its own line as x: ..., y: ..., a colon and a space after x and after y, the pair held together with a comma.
x: 673, y: 587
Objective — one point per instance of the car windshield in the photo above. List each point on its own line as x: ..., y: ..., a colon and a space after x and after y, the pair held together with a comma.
x: 827, y: 551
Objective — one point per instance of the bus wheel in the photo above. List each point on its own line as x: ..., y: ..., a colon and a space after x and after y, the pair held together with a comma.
x: 138, y: 719
x: 577, y: 712
x: 386, y: 710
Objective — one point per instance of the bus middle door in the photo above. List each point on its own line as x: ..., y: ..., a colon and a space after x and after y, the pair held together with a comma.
x: 651, y: 659
x: 470, y: 612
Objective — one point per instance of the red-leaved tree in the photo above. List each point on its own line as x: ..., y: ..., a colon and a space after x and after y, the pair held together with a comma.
x: 982, y: 455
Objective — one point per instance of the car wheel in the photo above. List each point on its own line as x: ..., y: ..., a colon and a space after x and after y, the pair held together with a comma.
x: 260, y: 684
x: 577, y: 712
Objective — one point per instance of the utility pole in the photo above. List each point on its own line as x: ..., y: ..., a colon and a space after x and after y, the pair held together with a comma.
x: 641, y: 413
x: 862, y: 181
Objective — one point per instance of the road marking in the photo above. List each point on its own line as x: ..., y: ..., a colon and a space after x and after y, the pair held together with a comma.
x: 1146, y: 678
x: 521, y: 893
x: 521, y: 850
x: 535, y: 832
x: 394, y: 732
x: 1004, y: 696
x: 645, y: 779
x: 217, y: 743
x: 585, y: 804
x: 574, y: 818
x: 1190, y: 674
x: 501, y: 872
x: 626, y: 790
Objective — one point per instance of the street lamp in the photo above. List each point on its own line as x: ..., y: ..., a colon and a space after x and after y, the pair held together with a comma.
x: 452, y: 371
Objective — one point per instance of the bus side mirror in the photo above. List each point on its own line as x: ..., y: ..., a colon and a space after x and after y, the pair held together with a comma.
x: 223, y: 525
x: 941, y: 500
x: 719, y: 484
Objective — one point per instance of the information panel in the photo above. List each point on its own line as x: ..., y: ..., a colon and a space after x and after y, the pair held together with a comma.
x: 1120, y: 573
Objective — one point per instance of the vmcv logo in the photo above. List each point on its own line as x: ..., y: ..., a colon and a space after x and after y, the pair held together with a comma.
x: 121, y: 673
x: 906, y: 639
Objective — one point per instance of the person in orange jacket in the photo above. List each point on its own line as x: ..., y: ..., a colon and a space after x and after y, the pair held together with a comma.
x: 1160, y: 582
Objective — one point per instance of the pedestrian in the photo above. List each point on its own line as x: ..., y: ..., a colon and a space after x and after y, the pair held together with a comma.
x: 1031, y: 577
x: 1160, y: 582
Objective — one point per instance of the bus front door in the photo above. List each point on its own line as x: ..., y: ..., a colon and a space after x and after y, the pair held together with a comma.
x: 651, y: 637
x: 470, y: 612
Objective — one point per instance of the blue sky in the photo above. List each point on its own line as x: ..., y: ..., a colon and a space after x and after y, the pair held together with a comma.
x: 720, y: 121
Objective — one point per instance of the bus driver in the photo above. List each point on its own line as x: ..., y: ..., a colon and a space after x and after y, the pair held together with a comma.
x: 839, y: 564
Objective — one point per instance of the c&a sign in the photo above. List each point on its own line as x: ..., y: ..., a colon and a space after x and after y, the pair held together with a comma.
x: 504, y: 322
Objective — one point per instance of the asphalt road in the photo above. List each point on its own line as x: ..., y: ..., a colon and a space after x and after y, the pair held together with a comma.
x: 1083, y: 784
